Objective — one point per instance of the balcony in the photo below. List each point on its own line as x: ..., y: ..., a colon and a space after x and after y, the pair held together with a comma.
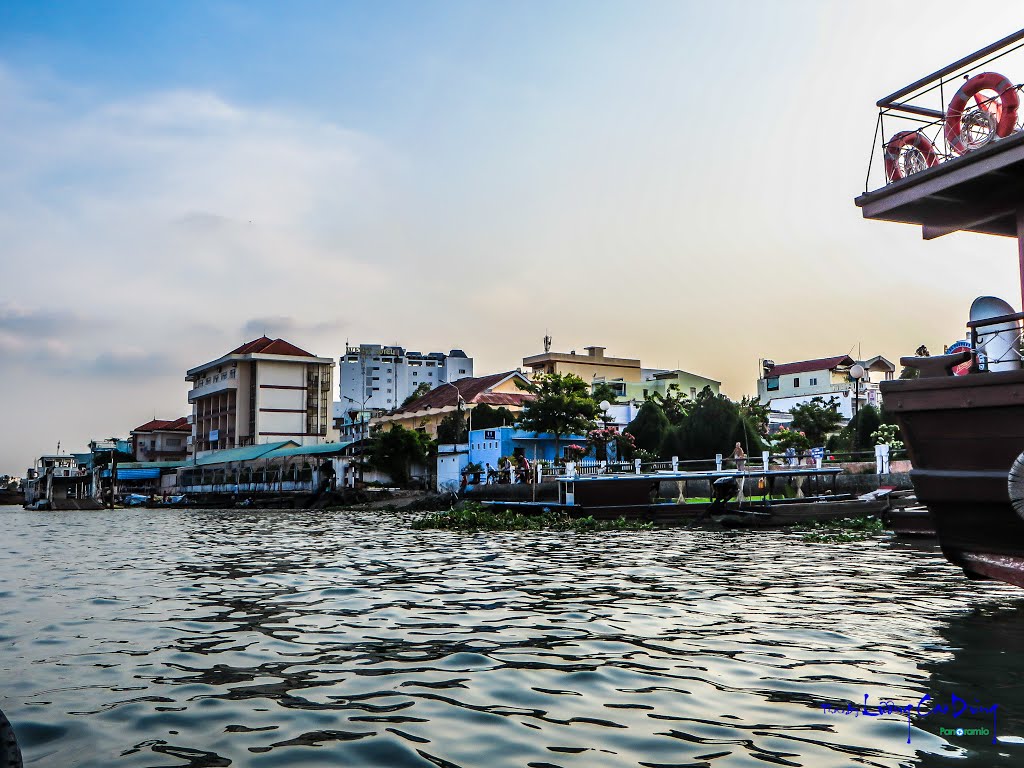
x: 211, y: 389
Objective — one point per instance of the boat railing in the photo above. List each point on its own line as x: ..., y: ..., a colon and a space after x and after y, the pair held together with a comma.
x: 753, y: 464
x: 996, y: 340
x: 911, y: 133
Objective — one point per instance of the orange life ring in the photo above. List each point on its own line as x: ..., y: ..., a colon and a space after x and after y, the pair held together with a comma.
x: 1006, y: 112
x: 893, y: 172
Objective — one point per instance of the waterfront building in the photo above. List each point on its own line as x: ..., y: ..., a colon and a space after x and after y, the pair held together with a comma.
x: 372, y: 377
x: 783, y: 386
x: 425, y: 413
x: 488, y: 446
x: 161, y: 440
x: 267, y: 390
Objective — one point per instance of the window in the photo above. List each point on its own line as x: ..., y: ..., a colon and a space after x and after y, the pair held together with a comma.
x: 812, y: 382
x: 415, y: 373
x: 796, y: 382
x: 462, y: 370
x: 772, y: 383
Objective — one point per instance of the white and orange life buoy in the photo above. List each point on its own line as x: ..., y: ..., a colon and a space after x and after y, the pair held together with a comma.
x: 1003, y: 107
x: 893, y: 169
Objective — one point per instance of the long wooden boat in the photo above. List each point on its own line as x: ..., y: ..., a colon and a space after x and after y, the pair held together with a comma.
x: 964, y: 433
x: 778, y: 514
x: 607, y: 497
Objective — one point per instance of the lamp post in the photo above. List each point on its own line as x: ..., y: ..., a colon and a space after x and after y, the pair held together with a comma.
x: 857, y: 373
x: 460, y: 404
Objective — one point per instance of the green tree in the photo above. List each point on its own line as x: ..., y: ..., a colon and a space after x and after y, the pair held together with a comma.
x: 713, y: 425
x: 487, y: 417
x: 675, y: 404
x: 394, y: 451
x: 816, y: 419
x: 649, y: 427
x: 756, y: 414
x: 863, y: 426
x: 562, y: 405
x: 452, y: 428
x: 422, y: 388
x: 789, y: 438
x: 604, y: 391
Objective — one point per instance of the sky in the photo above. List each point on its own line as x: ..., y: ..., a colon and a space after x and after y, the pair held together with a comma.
x: 673, y: 181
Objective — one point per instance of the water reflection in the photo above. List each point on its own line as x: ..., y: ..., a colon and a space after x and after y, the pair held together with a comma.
x: 140, y: 638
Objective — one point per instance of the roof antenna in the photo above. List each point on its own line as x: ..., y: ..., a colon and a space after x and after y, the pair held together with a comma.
x: 547, y: 341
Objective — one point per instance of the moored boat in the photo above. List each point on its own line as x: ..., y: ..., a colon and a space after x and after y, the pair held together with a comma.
x: 962, y: 418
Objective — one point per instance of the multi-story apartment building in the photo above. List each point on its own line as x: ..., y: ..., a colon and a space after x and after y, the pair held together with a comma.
x: 785, y: 385
x: 262, y: 392
x: 161, y: 440
x: 375, y: 378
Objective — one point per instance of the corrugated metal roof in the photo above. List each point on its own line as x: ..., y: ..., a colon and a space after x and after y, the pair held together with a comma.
x: 246, y: 453
x: 149, y: 465
x: 326, y: 449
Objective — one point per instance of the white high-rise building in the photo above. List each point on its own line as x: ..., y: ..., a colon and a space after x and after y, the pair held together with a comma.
x: 378, y: 378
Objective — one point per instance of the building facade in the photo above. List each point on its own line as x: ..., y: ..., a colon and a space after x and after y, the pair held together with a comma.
x: 499, y: 390
x: 659, y: 382
x: 265, y: 391
x: 161, y: 440
x: 784, y: 386
x: 591, y: 366
x: 378, y: 378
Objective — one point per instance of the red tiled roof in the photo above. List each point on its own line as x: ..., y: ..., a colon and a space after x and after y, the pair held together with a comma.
x: 823, y: 364
x: 266, y: 346
x: 178, y: 425
x: 473, y: 390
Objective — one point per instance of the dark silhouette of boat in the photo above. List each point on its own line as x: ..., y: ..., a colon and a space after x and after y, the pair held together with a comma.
x: 964, y: 433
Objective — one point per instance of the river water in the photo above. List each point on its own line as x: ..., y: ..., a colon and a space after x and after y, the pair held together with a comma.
x: 264, y: 638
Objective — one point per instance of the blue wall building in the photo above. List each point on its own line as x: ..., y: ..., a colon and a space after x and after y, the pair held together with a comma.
x: 487, y: 446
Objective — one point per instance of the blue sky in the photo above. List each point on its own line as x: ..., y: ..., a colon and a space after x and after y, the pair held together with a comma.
x: 673, y: 181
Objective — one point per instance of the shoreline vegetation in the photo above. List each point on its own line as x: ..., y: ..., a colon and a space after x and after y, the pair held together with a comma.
x: 472, y: 517
x: 841, y: 531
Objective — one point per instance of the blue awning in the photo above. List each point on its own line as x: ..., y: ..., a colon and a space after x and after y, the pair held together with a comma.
x: 134, y: 474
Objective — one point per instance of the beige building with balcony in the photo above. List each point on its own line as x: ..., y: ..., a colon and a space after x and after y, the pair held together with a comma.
x: 265, y: 391
x: 593, y: 365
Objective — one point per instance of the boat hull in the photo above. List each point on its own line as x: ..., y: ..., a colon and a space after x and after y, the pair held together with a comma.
x: 963, y: 434
x: 779, y: 515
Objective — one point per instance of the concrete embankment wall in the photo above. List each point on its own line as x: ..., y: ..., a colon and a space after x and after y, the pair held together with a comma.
x: 847, y: 483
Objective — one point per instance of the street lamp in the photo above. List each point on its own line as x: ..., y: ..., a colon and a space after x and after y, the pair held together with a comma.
x: 605, y: 406
x: 460, y: 404
x: 857, y: 373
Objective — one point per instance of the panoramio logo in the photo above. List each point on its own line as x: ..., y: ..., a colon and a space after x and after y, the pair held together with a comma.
x: 964, y: 732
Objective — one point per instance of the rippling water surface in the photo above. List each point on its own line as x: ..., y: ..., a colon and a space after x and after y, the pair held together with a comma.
x: 216, y: 638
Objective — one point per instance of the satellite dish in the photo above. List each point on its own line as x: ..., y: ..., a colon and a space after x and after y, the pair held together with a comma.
x: 998, y: 343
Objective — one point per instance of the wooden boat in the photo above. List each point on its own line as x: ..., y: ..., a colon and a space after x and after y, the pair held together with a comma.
x: 607, y: 497
x: 909, y: 521
x: 780, y: 513
x: 964, y: 433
